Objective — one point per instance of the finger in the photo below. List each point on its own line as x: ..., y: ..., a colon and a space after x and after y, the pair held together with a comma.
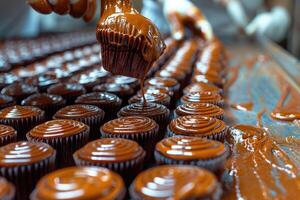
x: 61, y: 7
x: 78, y: 8
x: 41, y: 6
x: 91, y: 11
x: 176, y: 26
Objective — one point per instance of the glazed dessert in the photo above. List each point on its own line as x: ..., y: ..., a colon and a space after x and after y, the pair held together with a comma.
x: 170, y: 83
x: 21, y: 118
x: 7, y: 135
x: 7, y: 79
x: 6, y: 101
x: 68, y: 91
x: 42, y: 82
x: 89, y: 82
x: 197, y: 126
x: 175, y: 182
x: 19, y: 91
x: 141, y: 129
x: 7, y: 190
x: 203, y: 97
x: 131, y: 47
x: 121, y: 90
x: 24, y: 161
x: 66, y: 136
x: 124, y: 80
x: 159, y: 98
x: 202, y: 87
x: 110, y: 103
x: 211, y: 79
x: 80, y: 183
x: 123, y: 156
x: 202, y: 109
x: 87, y: 114
x: 47, y: 102
x: 184, y: 150
x: 157, y: 90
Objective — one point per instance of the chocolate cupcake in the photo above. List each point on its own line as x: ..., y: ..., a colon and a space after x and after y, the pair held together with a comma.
x: 110, y: 103
x: 164, y: 82
x: 89, y: 82
x: 157, y: 112
x: 123, y: 156
x: 179, y: 75
x: 80, y: 183
x: 197, y: 126
x: 19, y: 91
x: 184, y: 150
x: 202, y: 87
x: 67, y: 90
x: 7, y: 190
x: 202, y: 109
x: 66, y: 136
x: 124, y: 80
x: 24, y: 163
x: 157, y: 90
x: 175, y: 182
x: 161, y: 98
x: 88, y: 114
x: 7, y: 78
x: 7, y: 135
x: 203, y: 97
x: 21, y: 118
x: 6, y: 101
x: 42, y: 82
x: 141, y: 129
x: 48, y: 102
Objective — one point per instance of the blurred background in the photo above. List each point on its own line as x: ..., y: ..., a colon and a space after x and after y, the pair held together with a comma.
x: 18, y: 20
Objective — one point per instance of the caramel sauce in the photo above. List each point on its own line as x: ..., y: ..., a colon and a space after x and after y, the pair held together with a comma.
x: 248, y: 106
x: 262, y: 166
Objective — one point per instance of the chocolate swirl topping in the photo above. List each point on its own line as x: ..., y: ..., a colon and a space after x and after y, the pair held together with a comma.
x: 91, y: 183
x: 66, y: 88
x: 7, y: 131
x: 24, y: 153
x: 16, y: 112
x: 97, y: 98
x: 203, y: 109
x: 190, y: 148
x: 195, y: 125
x: 19, y: 89
x: 124, y: 80
x: 110, y: 150
x: 202, y: 97
x: 129, y: 125
x: 58, y: 128
x: 42, y: 99
x: 161, y: 98
x: 78, y: 111
x: 174, y: 182
x: 117, y: 89
x: 163, y: 82
x: 148, y: 110
x: 157, y: 90
x: 7, y: 190
x: 202, y: 87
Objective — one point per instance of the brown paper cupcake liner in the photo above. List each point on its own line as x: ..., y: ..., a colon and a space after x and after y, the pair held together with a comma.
x: 65, y: 146
x: 215, y: 136
x: 25, y: 177
x: 4, y: 140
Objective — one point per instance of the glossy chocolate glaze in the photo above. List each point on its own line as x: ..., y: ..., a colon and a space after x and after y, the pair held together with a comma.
x: 110, y: 150
x: 80, y: 183
x: 121, y: 90
x: 202, y: 97
x: 99, y: 99
x: 78, y: 111
x: 58, y: 128
x: 7, y: 79
x: 78, y: 8
x: 19, y: 90
x: 195, y: 125
x: 44, y: 99
x: 157, y: 90
x: 160, y: 98
x: 247, y: 106
x: 175, y: 182
x: 124, y: 80
x: 42, y: 81
x: 163, y: 82
x: 202, y: 87
x: 7, y: 190
x: 190, y: 148
x: 24, y: 153
x: 6, y: 101
x: 203, y: 109
x: 66, y: 89
x: 41, y: 6
x: 19, y: 112
x: 7, y: 131
x: 209, y: 78
x: 130, y: 42
x: 129, y: 125
x: 267, y: 162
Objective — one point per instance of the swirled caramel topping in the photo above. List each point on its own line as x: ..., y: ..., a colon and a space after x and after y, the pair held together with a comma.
x: 97, y: 98
x: 129, y: 125
x: 201, y: 87
x: 110, y: 150
x: 7, y: 130
x: 196, y: 125
x: 16, y: 112
x: 77, y: 111
x: 117, y: 89
x: 24, y: 153
x: 174, y: 182
x: 161, y: 98
x: 19, y: 89
x: 58, y: 128
x: 203, y: 109
x: 42, y: 99
x: 92, y: 183
x: 124, y: 80
x: 190, y: 148
x: 163, y: 82
x: 7, y: 190
x: 140, y: 109
x: 66, y: 88
x: 202, y: 97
